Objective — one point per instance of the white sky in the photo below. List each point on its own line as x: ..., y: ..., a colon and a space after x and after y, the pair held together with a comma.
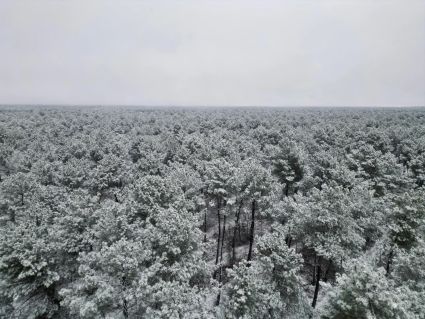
x: 234, y: 52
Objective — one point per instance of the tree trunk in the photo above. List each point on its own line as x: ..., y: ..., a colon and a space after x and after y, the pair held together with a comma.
x: 220, y: 267
x: 316, y: 289
x: 125, y: 308
x: 217, y: 301
x: 217, y: 255
x: 12, y: 215
x: 235, y: 230
x: 252, y: 230
x: 389, y: 262
x: 288, y: 241
x: 328, y: 269
x: 223, y: 234
x: 124, y: 301
x: 240, y: 232
x: 205, y: 224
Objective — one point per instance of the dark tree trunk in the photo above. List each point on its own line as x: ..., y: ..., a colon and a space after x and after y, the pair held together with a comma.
x: 217, y: 301
x: 205, y: 225
x: 223, y: 235
x: 217, y: 255
x: 313, y: 281
x: 22, y: 199
x: 235, y: 230
x: 288, y: 241
x: 12, y: 216
x: 316, y: 289
x: 389, y: 262
x: 252, y: 230
x: 327, y: 272
x: 124, y: 301
x: 125, y: 308
x: 240, y: 232
x: 220, y: 267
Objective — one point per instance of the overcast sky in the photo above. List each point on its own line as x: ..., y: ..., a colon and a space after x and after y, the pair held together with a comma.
x: 278, y: 53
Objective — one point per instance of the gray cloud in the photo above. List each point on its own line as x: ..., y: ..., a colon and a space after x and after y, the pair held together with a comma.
x: 293, y: 52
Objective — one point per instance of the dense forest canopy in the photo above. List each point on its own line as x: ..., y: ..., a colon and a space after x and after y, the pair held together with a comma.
x: 212, y: 213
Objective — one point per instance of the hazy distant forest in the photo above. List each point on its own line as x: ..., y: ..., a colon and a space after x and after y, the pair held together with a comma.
x: 212, y: 213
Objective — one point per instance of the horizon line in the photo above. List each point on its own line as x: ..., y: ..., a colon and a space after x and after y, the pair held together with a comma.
x: 202, y: 106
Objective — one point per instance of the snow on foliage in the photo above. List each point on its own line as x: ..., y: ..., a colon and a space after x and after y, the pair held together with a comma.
x: 213, y: 213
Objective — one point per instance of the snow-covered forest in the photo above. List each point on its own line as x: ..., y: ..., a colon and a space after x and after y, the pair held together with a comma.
x: 212, y: 213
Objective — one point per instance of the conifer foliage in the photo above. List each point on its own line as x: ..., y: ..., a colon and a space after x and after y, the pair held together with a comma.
x: 212, y: 213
